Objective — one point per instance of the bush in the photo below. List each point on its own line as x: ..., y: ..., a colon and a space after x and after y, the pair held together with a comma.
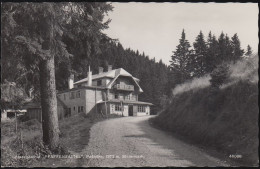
x: 23, y: 118
x: 226, y: 119
x: 219, y: 75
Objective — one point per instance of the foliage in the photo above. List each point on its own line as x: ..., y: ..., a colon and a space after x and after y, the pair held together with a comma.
x: 25, y: 40
x: 226, y: 121
x: 220, y: 75
x: 199, y: 58
x: 249, y: 51
x: 205, y: 56
x: 181, y: 58
x: 12, y: 96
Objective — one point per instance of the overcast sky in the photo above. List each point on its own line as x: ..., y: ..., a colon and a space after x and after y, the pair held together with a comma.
x: 155, y: 28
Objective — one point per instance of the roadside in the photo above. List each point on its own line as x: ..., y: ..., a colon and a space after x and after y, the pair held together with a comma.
x: 223, y: 156
x: 74, y: 136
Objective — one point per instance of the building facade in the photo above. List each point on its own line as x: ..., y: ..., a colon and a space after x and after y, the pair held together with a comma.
x: 113, y: 92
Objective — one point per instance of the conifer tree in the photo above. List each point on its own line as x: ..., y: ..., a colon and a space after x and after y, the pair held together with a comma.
x: 212, y: 53
x: 249, y: 51
x: 200, y: 51
x: 237, y: 52
x: 180, y: 59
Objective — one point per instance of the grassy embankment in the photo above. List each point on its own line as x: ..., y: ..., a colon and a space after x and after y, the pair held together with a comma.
x: 225, y: 120
x: 74, y: 136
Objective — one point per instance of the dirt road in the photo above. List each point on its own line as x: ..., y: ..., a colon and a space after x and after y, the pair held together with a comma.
x: 131, y: 141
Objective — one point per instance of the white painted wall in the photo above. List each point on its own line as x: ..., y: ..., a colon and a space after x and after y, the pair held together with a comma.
x: 71, y: 103
x: 112, y: 110
x: 146, y: 113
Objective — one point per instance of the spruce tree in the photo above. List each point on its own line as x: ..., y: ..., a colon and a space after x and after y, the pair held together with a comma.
x: 212, y: 53
x: 249, y: 51
x: 200, y: 51
x: 237, y: 52
x: 180, y: 59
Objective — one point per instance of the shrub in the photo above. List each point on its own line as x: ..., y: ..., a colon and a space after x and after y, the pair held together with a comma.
x: 219, y: 75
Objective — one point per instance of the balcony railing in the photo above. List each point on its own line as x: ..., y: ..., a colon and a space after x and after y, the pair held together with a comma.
x: 124, y: 87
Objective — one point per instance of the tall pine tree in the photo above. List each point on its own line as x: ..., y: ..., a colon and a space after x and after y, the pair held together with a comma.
x: 180, y: 59
x: 248, y: 51
x: 237, y: 52
x: 200, y: 51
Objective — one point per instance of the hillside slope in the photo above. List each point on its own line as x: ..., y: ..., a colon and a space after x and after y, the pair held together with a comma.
x: 226, y: 120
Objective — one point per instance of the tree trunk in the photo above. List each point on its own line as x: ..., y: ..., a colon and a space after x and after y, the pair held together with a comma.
x: 50, y: 126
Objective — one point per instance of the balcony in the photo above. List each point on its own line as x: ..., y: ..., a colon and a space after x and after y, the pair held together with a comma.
x: 124, y: 87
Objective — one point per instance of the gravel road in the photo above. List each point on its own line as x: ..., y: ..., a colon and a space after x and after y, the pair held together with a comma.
x: 132, y: 142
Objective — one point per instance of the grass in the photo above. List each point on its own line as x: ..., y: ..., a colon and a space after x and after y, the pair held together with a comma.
x: 74, y: 136
x: 226, y: 120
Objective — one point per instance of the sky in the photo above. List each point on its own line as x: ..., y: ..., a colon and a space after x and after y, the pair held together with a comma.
x: 155, y: 28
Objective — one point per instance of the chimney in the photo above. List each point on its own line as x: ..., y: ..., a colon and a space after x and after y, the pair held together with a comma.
x: 71, y: 81
x: 100, y: 70
x: 109, y: 68
x: 89, y: 77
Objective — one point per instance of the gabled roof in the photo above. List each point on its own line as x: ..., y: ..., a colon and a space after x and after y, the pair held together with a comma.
x: 110, y: 74
x: 114, y: 74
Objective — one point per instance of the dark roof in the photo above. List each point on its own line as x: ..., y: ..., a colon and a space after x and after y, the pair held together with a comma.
x: 32, y: 105
x: 126, y: 101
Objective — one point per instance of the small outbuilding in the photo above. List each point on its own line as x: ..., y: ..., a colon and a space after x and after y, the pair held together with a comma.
x: 34, y: 110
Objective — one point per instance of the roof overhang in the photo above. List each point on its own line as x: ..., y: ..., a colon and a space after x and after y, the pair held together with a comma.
x: 126, y: 102
x: 109, y: 86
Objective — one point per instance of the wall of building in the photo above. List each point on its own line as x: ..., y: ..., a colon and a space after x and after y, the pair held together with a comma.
x: 113, y: 111
x: 147, y: 111
x: 135, y: 108
x: 34, y: 113
x: 74, y: 103
x: 90, y: 101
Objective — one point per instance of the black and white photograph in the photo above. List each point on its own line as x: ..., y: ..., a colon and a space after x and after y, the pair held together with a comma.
x: 129, y: 84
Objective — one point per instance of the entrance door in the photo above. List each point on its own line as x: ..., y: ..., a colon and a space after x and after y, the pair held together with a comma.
x: 130, y: 110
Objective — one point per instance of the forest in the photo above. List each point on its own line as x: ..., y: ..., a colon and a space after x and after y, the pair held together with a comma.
x: 83, y: 50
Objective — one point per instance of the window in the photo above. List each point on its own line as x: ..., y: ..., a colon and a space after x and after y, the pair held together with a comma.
x: 134, y: 97
x: 141, y: 108
x: 68, y: 113
x: 72, y: 95
x: 116, y: 96
x: 127, y: 97
x: 82, y: 108
x: 112, y: 107
x: 99, y: 83
x: 78, y: 94
x: 64, y: 96
x: 118, y: 107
